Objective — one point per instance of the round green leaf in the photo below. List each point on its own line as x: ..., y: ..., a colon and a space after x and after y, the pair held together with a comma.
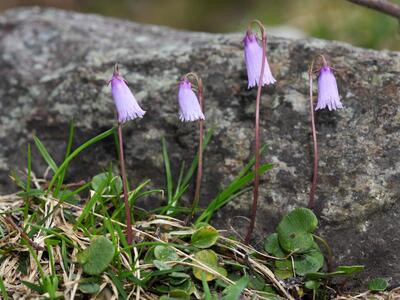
x: 272, y: 246
x: 161, y: 265
x: 256, y: 282
x: 269, y: 288
x: 96, y: 258
x: 89, y: 287
x: 205, y: 237
x: 179, y: 294
x: 378, y: 285
x: 187, y: 286
x: 309, y: 262
x: 201, y: 224
x: 149, y: 256
x: 312, y: 285
x: 165, y: 253
x: 209, y: 258
x: 295, y: 230
x: 162, y: 288
x: 114, y: 183
x: 284, y: 264
x: 177, y: 281
x: 283, y: 274
x: 99, y: 180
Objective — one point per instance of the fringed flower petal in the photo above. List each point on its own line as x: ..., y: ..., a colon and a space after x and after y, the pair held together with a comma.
x: 125, y: 103
x: 253, y: 53
x: 189, y: 106
x: 328, y: 94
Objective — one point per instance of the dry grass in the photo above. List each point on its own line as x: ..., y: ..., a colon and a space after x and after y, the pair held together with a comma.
x: 158, y: 228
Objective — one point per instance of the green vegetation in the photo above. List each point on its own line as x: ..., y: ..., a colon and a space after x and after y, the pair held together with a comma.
x: 75, y: 242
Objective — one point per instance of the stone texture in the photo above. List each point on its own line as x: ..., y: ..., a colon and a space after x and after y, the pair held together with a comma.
x: 54, y: 66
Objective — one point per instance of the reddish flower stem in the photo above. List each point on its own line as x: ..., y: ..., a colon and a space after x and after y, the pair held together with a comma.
x: 129, y: 235
x: 313, y: 188
x: 314, y: 137
x: 200, y: 162
x: 199, y: 176
x: 257, y: 142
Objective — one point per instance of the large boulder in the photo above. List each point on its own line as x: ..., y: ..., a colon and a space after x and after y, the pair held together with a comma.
x: 54, y: 67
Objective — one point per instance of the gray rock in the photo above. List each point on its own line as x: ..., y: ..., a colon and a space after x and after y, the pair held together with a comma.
x: 54, y: 66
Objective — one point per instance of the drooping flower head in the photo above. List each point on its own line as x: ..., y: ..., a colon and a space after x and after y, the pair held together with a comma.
x: 253, y: 53
x: 125, y: 103
x: 328, y: 94
x: 189, y: 106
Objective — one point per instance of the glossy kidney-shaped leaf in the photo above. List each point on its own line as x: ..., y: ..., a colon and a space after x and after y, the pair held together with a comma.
x: 295, y: 230
x: 271, y: 245
x: 378, y: 285
x: 208, y: 258
x: 256, y: 282
x: 205, y: 237
x: 89, y: 287
x: 284, y: 264
x: 96, y: 258
x: 162, y: 266
x: 308, y: 262
x: 283, y: 274
x: 179, y: 294
x: 114, y: 183
x: 165, y: 253
x: 312, y: 285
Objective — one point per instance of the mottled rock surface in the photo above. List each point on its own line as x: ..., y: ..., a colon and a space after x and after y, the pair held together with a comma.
x: 54, y: 66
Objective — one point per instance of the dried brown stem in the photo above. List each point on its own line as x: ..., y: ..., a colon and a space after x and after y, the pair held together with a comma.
x: 383, y: 6
x: 68, y: 185
x: 23, y: 234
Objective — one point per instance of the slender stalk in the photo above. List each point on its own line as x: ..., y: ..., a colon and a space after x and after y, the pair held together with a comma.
x: 314, y: 137
x: 329, y: 260
x: 199, y: 176
x: 313, y: 188
x: 200, y: 162
x: 129, y: 235
x: 257, y: 141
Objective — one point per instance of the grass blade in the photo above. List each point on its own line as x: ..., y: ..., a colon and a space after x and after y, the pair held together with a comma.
x: 45, y: 154
x: 192, y: 169
x: 3, y: 289
x: 76, y: 152
x: 228, y: 193
x: 67, y: 152
x: 28, y: 182
x: 88, y: 207
x: 178, y: 185
x: 167, y: 170
x: 206, y: 288
x: 119, y: 285
x: 233, y: 292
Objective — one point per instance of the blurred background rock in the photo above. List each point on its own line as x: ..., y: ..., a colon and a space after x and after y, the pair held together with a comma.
x: 327, y: 19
